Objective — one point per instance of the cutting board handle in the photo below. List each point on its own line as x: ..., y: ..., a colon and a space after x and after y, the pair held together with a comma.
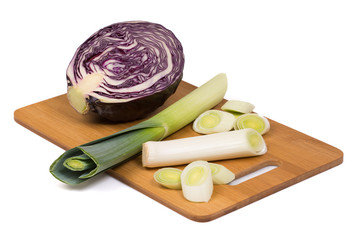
x: 255, y: 170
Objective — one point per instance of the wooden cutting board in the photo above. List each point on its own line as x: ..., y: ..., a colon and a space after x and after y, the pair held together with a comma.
x: 296, y: 155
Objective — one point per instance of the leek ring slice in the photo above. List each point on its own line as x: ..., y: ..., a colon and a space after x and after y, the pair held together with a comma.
x: 168, y: 177
x: 238, y: 106
x: 254, y: 121
x: 214, y: 121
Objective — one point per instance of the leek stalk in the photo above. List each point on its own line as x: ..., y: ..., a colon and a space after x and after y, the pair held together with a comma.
x: 117, y: 148
x: 212, y: 147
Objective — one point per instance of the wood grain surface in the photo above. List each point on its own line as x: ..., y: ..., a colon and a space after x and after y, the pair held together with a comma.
x: 296, y: 155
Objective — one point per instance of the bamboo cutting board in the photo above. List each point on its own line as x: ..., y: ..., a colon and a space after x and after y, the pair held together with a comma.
x: 296, y: 155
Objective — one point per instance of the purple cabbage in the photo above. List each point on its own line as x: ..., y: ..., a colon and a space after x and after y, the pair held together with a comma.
x: 138, y: 66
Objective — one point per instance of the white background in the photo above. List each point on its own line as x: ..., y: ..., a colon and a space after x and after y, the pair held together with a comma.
x: 297, y: 61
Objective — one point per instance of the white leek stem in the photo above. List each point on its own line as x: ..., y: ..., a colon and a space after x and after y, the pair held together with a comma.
x: 217, y: 146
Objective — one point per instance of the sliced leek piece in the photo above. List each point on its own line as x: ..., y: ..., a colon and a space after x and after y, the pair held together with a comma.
x: 238, y: 106
x: 220, y: 174
x: 168, y: 177
x: 196, y: 181
x: 254, y: 121
x: 214, y: 121
x: 218, y: 146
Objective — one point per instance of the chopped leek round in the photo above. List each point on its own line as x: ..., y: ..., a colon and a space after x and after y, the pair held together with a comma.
x: 168, y: 177
x: 254, y: 121
x: 238, y: 106
x: 220, y: 174
x: 214, y: 121
x: 196, y: 181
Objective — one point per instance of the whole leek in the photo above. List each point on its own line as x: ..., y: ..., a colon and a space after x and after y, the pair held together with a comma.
x: 73, y: 166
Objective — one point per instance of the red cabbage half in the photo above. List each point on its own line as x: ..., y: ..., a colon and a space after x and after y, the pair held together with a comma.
x: 125, y: 71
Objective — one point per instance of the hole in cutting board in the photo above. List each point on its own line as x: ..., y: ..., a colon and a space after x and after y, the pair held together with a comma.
x: 251, y: 175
